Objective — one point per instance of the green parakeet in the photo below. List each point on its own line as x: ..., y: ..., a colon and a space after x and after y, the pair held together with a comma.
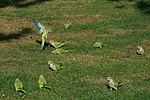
x: 60, y: 50
x: 41, y: 29
x: 56, y: 44
x: 53, y: 66
x: 42, y: 82
x: 19, y: 86
x: 44, y: 37
x: 99, y: 44
x: 113, y: 84
x: 140, y: 50
x: 67, y: 25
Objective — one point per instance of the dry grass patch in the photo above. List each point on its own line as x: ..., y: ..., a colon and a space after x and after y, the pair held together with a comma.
x: 146, y: 44
x: 83, y: 36
x: 84, y: 18
x: 131, y: 49
x: 87, y: 58
x: 93, y: 80
x: 14, y: 24
x: 104, y: 35
x: 120, y: 31
x: 8, y: 9
x: 126, y: 55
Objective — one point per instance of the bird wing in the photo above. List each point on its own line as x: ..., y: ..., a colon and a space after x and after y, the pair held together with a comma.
x: 56, y: 51
x: 116, y: 85
x: 52, y: 66
x: 53, y: 43
x: 67, y: 25
x: 39, y: 27
x: 57, y: 66
x: 59, y: 44
x: 56, y: 44
x: 98, y: 44
x: 60, y: 50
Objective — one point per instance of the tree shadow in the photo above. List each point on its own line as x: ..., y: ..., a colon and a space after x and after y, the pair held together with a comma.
x: 143, y: 6
x: 7, y: 38
x: 120, y: 0
x: 20, y: 3
x: 120, y: 4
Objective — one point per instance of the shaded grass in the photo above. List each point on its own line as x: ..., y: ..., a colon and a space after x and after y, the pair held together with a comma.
x: 20, y: 3
x: 143, y: 6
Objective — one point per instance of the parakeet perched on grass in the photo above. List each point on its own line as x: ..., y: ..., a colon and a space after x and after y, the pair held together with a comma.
x: 60, y: 50
x: 19, y: 86
x: 112, y: 84
x: 42, y: 82
x: 99, y: 44
x: 140, y: 50
x: 41, y: 29
x: 56, y: 44
x: 53, y: 66
x: 67, y: 25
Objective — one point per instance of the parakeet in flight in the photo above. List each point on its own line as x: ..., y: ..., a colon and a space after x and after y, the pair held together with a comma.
x: 140, y: 50
x: 42, y: 82
x: 112, y: 84
x: 53, y: 66
x: 99, y: 44
x: 56, y: 44
x: 41, y: 29
x: 19, y: 86
x: 60, y: 50
x: 67, y: 25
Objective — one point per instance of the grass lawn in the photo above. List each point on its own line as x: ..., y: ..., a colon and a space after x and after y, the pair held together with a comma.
x: 121, y: 25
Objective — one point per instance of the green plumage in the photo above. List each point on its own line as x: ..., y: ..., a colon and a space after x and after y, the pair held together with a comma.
x: 60, y: 50
x: 99, y: 44
x: 44, y: 36
x: 112, y: 84
x: 42, y: 30
x: 53, y: 66
x: 42, y: 82
x: 56, y: 44
x: 19, y: 86
x: 67, y: 25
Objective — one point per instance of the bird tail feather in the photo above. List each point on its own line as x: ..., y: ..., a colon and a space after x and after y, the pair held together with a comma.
x: 120, y: 84
x: 22, y: 91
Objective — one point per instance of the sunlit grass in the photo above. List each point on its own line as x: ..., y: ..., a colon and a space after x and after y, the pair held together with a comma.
x: 86, y: 68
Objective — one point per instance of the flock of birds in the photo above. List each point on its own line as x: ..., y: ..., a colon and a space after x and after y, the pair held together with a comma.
x: 111, y: 83
x: 19, y: 85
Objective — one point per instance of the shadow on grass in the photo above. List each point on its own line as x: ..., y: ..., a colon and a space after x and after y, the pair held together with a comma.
x: 144, y: 6
x: 121, y: 0
x: 40, y: 42
x: 20, y: 3
x: 7, y: 38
